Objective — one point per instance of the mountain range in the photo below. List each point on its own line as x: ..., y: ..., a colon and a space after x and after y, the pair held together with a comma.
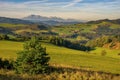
x: 38, y: 18
x: 51, y: 20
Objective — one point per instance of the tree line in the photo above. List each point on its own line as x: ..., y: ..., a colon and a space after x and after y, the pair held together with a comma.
x: 101, y: 41
x: 73, y: 45
x: 51, y: 39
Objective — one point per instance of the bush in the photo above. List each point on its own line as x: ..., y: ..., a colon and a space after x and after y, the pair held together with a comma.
x: 4, y: 37
x: 33, y: 59
x: 118, y: 54
x: 103, y: 53
x: 6, y: 64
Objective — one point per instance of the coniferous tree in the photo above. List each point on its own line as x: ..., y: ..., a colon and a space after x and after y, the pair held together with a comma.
x: 33, y: 59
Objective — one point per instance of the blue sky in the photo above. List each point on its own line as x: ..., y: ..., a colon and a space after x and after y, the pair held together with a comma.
x: 77, y: 9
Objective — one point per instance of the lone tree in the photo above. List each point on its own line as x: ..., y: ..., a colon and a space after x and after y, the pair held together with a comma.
x: 33, y: 59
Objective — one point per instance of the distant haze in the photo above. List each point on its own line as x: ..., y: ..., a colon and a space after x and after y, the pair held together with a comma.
x: 75, y: 9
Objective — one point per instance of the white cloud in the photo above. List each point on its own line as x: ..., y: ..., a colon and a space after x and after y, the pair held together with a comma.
x: 34, y: 2
x: 72, y: 3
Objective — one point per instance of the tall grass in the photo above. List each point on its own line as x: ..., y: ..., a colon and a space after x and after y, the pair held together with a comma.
x: 60, y: 73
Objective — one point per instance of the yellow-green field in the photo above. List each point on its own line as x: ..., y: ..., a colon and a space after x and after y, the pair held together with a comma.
x: 72, y: 58
x: 8, y: 25
x: 81, y: 28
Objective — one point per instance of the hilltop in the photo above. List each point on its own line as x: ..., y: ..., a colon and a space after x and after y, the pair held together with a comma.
x: 14, y: 21
x: 116, y: 21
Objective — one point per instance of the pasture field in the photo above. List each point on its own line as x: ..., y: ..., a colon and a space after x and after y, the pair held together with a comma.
x: 81, y: 28
x: 70, y: 29
x: 65, y: 57
x: 8, y: 25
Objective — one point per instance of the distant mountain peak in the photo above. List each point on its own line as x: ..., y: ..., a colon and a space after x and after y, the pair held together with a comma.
x: 53, y: 20
x: 38, y: 18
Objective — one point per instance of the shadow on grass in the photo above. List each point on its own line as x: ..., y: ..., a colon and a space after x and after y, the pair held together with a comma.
x: 67, y: 69
x: 63, y: 73
x: 10, y: 77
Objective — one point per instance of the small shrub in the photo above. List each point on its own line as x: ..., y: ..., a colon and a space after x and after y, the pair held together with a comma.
x: 6, y: 64
x: 118, y: 54
x: 103, y: 53
x: 94, y: 53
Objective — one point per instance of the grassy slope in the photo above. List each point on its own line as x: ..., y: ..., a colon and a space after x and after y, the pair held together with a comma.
x: 110, y: 52
x: 68, y: 57
x: 9, y: 49
x: 8, y: 25
x: 67, y: 29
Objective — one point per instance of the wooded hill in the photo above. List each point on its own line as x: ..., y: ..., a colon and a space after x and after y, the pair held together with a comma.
x: 82, y: 33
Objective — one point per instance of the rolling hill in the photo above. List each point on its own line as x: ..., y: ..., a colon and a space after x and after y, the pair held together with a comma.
x: 14, y: 21
x: 14, y: 26
x: 99, y: 63
x: 80, y: 32
x: 116, y: 21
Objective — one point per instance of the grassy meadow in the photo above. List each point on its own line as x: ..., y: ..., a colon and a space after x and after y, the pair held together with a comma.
x: 64, y: 57
x: 8, y: 25
x: 81, y: 28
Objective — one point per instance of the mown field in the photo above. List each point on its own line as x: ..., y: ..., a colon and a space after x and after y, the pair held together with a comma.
x: 65, y: 57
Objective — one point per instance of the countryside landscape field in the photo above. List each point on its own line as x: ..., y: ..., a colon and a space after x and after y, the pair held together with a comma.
x: 59, y: 40
x: 69, y: 57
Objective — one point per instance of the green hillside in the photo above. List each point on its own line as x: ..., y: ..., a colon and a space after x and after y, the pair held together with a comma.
x: 83, y: 28
x: 73, y: 32
x: 67, y: 57
x: 8, y: 25
x: 82, y: 33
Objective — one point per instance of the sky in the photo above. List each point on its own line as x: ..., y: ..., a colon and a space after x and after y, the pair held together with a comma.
x: 75, y: 9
